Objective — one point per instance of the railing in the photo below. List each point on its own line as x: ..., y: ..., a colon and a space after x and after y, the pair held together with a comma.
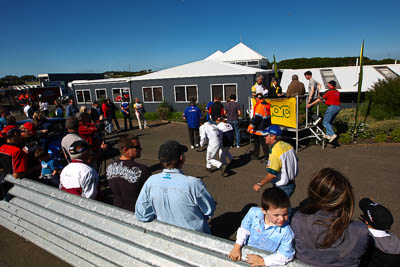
x: 85, y: 232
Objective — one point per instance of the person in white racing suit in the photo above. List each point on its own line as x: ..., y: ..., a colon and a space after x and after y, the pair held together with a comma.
x: 210, y: 133
x: 227, y: 140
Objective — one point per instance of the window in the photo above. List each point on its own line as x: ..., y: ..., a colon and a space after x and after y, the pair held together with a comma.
x: 241, y: 63
x: 386, y: 72
x: 83, y: 96
x: 153, y: 94
x: 101, y: 94
x: 120, y: 93
x: 224, y: 91
x: 252, y: 63
x: 183, y: 93
x: 327, y: 76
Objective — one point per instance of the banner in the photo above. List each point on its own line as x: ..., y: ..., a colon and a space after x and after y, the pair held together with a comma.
x: 283, y: 111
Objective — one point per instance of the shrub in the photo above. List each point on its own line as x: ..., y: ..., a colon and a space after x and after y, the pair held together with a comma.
x: 152, y: 116
x: 361, y: 131
x: 163, y: 110
x: 395, y: 134
x: 384, y: 127
x: 345, y: 138
x: 385, y: 96
x: 380, y: 138
x: 175, y: 116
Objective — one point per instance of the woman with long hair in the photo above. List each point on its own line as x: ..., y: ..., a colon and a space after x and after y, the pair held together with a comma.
x: 325, y: 234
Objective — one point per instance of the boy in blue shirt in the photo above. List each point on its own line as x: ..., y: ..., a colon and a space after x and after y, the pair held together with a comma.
x: 267, y: 228
x: 126, y: 113
x: 192, y: 115
x: 51, y: 168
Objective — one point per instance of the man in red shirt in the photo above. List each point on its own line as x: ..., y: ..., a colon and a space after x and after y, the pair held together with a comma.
x: 332, y: 100
x: 13, y: 159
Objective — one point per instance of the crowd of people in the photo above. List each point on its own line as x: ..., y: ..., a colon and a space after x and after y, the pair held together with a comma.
x: 319, y: 232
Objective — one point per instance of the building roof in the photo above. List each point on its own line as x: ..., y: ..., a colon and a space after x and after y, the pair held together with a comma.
x: 239, y: 52
x: 346, y: 76
x: 215, y: 56
x: 202, y: 68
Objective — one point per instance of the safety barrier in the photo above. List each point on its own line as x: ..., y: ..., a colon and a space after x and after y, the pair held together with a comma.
x: 84, y: 232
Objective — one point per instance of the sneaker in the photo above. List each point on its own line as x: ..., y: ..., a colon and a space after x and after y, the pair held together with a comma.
x: 316, y: 122
x: 333, y: 137
x: 192, y: 147
x: 237, y: 146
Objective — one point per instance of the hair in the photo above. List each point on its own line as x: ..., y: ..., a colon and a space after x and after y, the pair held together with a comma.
x: 203, y: 120
x: 193, y: 101
x: 232, y: 97
x: 172, y: 164
x: 11, y: 120
x: 308, y: 73
x: 259, y: 76
x: 330, y: 191
x: 295, y: 77
x: 83, y: 109
x: 71, y: 123
x: 274, y: 197
x: 125, y: 141
x: 40, y: 153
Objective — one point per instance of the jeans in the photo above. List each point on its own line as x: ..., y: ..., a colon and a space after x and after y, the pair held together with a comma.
x: 127, y: 117
x: 235, y: 125
x: 194, y: 136
x: 288, y: 188
x: 329, y: 116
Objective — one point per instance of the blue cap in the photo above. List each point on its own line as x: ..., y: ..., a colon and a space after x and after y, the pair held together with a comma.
x: 274, y: 130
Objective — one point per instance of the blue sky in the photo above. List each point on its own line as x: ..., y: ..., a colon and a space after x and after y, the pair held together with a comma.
x: 96, y: 36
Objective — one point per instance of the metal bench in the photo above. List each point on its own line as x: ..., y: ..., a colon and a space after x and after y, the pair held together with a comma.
x: 84, y: 232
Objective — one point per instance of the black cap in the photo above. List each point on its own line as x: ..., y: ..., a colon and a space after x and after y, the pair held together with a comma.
x: 259, y: 96
x: 171, y: 150
x: 78, y: 147
x: 375, y: 214
x: 332, y: 82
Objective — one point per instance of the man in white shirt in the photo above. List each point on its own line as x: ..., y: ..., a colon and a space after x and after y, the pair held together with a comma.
x: 210, y: 132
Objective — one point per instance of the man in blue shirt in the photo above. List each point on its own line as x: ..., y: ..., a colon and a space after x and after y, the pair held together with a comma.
x: 173, y: 197
x: 192, y: 115
x: 126, y: 113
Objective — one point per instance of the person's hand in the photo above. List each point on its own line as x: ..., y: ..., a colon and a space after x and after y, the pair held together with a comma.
x: 103, y: 146
x: 256, y: 187
x: 54, y: 172
x: 235, y: 253
x: 308, y: 106
x: 45, y: 131
x: 255, y: 260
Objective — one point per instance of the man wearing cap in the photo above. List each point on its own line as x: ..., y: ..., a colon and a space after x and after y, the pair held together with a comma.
x: 72, y: 126
x: 385, y: 249
x: 260, y: 121
x: 295, y: 87
x: 13, y: 159
x: 332, y: 100
x: 78, y: 177
x: 173, y: 197
x: 282, y: 166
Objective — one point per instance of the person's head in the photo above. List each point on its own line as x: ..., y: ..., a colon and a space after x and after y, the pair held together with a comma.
x: 137, y: 100
x: 330, y: 191
x: 81, y: 150
x: 275, y: 81
x: 42, y: 154
x: 232, y: 97
x: 28, y: 130
x: 203, y: 120
x: 83, y: 109
x: 259, y: 79
x: 193, y: 101
x: 11, y: 120
x: 71, y: 101
x: 219, y: 119
x: 275, y: 205
x: 95, y: 104
x: 308, y: 74
x: 332, y: 85
x: 12, y: 134
x: 375, y: 215
x: 82, y: 117
x: 129, y: 146
x: 272, y: 134
x: 72, y: 124
x: 259, y: 97
x: 171, y: 154
x: 295, y: 77
x: 4, y: 113
x: 108, y: 101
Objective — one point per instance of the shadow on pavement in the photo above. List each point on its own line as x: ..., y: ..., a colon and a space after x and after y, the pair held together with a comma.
x: 226, y: 224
